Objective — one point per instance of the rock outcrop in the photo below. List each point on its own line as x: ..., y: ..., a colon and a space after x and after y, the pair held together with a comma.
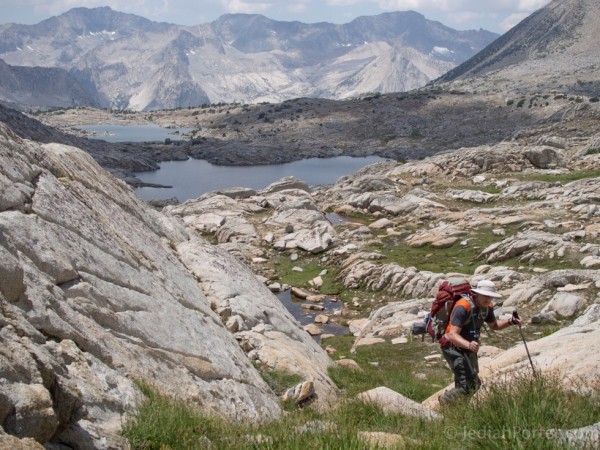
x: 99, y: 292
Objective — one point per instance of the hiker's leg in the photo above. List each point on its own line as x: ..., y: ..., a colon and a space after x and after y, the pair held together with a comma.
x: 456, y: 362
x: 450, y: 395
x: 453, y: 358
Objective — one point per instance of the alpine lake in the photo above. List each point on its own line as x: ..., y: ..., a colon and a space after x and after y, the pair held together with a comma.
x: 192, y: 178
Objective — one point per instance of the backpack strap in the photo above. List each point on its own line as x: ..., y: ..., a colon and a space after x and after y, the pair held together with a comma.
x: 466, y: 302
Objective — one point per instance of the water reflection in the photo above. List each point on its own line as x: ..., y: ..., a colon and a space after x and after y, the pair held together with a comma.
x: 338, y: 219
x: 132, y: 133
x: 192, y: 178
x: 305, y: 317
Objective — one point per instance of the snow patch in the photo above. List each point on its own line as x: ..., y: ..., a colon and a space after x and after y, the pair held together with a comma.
x: 103, y: 33
x: 442, y: 51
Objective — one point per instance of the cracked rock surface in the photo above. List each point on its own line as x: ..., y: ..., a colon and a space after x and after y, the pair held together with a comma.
x: 98, y: 292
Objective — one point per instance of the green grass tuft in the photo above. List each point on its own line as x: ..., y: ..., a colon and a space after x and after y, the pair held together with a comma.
x: 385, y: 365
x: 311, y: 267
x: 162, y: 422
x: 562, y: 178
x: 280, y: 381
x: 510, y: 414
x: 517, y: 413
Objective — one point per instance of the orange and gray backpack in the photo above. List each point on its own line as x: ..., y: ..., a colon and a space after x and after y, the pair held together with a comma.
x: 449, y: 292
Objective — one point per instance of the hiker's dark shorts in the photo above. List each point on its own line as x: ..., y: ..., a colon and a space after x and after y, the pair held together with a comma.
x: 466, y: 380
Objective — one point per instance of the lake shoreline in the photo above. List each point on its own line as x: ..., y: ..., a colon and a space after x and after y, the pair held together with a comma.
x: 193, y: 178
x: 132, y: 133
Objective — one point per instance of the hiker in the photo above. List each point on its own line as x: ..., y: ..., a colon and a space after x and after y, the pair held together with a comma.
x: 462, y: 337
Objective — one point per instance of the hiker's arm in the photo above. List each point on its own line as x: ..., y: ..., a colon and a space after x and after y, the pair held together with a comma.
x: 500, y: 324
x: 453, y: 335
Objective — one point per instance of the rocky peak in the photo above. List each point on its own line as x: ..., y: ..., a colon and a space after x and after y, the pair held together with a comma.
x: 558, y: 36
x: 424, y: 35
x: 87, y: 21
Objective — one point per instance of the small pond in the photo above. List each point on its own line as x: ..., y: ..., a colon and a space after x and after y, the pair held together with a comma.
x: 305, y: 317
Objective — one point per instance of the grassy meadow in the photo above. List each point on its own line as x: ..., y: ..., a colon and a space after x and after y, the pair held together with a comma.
x: 514, y: 414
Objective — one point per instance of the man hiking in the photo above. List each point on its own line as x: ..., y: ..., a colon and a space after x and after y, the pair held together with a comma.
x: 462, y: 337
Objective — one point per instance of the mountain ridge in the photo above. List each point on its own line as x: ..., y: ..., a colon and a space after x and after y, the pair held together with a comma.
x: 552, y: 44
x: 134, y: 63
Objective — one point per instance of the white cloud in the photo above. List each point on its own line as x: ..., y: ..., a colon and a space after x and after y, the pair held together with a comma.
x: 297, y: 7
x: 268, y: 7
x: 459, y: 6
x: 531, y: 5
x: 512, y: 20
x: 344, y: 2
x: 422, y: 5
x: 246, y: 6
x: 465, y: 17
x: 145, y: 8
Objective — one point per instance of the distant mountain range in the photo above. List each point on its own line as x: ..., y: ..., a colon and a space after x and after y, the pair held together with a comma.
x: 118, y: 60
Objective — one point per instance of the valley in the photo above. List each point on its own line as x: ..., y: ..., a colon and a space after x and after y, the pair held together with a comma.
x: 135, y: 324
x: 404, y: 126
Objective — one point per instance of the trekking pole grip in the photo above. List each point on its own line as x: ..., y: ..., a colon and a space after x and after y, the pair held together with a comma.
x: 515, y: 315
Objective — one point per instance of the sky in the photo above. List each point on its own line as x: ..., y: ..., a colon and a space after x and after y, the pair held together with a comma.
x: 493, y: 15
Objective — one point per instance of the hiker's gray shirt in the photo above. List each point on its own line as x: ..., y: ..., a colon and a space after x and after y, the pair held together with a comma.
x: 470, y: 322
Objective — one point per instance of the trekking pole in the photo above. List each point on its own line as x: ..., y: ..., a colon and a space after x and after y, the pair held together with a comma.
x: 474, y: 373
x: 516, y: 316
x: 485, y: 327
x: 468, y: 360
